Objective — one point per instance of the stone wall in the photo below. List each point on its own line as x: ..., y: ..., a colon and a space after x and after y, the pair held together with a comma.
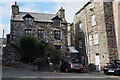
x: 18, y: 29
x: 116, y: 13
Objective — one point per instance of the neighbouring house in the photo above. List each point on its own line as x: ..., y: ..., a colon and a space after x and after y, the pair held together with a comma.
x: 48, y: 27
x: 72, y: 52
x: 95, y: 37
x: 116, y: 13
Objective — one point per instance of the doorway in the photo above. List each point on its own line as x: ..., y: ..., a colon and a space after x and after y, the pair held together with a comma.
x: 97, y: 61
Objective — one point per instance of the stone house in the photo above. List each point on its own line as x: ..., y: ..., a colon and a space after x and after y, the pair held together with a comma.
x: 116, y: 13
x: 95, y: 37
x: 48, y: 27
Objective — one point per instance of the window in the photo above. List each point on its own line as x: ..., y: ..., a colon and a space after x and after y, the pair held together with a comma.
x: 27, y: 31
x: 79, y: 15
x: 56, y: 22
x: 57, y: 34
x: 90, y: 39
x: 80, y: 43
x: 80, y: 27
x: 93, y: 20
x: 28, y: 21
x: 41, y: 34
x: 96, y: 41
x: 58, y: 47
x: 92, y: 5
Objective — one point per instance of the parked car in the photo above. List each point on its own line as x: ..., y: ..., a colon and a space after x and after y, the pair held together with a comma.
x: 71, y: 66
x: 113, y: 67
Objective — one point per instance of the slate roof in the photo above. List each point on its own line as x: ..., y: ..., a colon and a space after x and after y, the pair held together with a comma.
x: 37, y: 16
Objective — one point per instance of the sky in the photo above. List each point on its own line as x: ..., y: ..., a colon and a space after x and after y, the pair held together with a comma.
x: 37, y: 6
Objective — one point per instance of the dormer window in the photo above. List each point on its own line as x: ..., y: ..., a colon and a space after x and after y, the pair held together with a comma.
x: 28, y: 21
x: 56, y: 22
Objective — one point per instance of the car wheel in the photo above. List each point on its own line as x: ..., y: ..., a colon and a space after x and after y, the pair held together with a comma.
x: 105, y: 72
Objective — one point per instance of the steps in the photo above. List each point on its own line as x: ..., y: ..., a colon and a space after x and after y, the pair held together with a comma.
x: 43, y: 66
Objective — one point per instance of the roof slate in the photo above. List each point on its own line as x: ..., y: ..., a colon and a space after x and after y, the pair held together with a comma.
x: 37, y: 16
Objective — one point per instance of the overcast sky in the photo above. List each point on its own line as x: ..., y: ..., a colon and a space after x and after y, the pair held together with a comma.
x: 41, y: 6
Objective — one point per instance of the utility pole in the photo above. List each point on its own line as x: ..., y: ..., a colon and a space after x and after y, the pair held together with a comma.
x: 3, y: 36
x: 86, y: 39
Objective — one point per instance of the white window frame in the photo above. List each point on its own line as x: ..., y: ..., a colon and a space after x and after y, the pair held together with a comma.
x: 90, y: 39
x: 80, y: 27
x: 96, y: 39
x: 28, y: 21
x: 92, y: 5
x: 80, y: 43
x: 93, y: 20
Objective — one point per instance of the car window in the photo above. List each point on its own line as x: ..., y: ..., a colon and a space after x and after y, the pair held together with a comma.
x: 114, y: 63
x: 118, y: 62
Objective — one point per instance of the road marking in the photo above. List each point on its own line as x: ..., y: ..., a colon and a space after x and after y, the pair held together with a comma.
x: 14, y: 68
x: 56, y: 72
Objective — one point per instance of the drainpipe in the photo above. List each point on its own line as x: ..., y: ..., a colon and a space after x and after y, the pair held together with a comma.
x: 3, y: 38
x: 86, y: 39
x: 66, y: 38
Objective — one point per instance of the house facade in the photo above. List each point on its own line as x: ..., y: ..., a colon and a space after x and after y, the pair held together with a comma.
x: 48, y: 27
x: 95, y: 37
x: 116, y: 13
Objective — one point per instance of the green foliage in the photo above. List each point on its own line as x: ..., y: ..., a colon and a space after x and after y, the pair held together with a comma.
x: 56, y: 67
x: 36, y: 60
x: 54, y: 54
x: 91, y: 67
x: 31, y: 48
x: 0, y: 47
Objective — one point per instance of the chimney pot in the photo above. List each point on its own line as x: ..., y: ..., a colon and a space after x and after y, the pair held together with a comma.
x: 15, y: 3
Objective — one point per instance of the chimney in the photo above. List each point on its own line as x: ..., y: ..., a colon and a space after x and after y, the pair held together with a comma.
x: 15, y: 8
x: 61, y: 13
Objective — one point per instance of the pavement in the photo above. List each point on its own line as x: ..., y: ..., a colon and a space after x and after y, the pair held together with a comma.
x: 9, y: 73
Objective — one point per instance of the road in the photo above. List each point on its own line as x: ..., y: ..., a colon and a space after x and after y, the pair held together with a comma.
x: 11, y: 73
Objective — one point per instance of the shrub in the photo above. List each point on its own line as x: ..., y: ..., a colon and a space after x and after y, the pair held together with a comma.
x: 54, y: 54
x: 31, y: 48
x: 91, y: 67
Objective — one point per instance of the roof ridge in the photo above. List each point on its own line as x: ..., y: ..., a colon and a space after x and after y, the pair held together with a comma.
x: 38, y: 13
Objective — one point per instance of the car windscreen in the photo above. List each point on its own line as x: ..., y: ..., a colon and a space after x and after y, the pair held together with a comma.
x: 114, y: 63
x: 76, y: 62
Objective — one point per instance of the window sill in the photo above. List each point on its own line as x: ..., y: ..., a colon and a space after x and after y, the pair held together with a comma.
x: 96, y: 44
x: 93, y: 25
x: 57, y: 26
x: 57, y: 39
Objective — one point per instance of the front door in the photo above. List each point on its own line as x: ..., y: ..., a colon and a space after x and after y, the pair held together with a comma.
x: 97, y: 61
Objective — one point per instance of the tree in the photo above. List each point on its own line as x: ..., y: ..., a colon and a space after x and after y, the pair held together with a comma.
x: 31, y: 48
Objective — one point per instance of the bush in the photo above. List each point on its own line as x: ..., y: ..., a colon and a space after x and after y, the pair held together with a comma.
x: 56, y: 67
x: 31, y: 48
x: 54, y: 54
x: 91, y: 67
